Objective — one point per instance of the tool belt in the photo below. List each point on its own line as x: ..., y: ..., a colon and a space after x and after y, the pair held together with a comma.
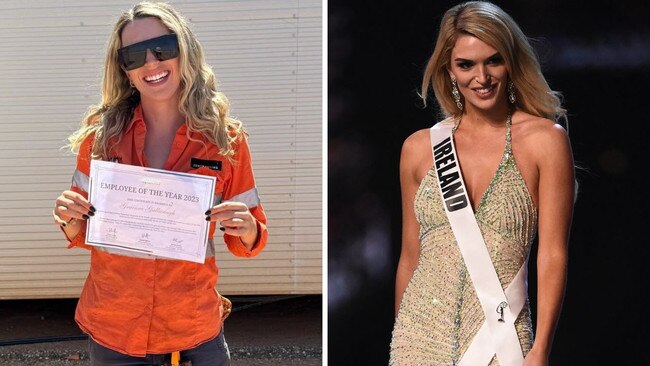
x: 226, y: 306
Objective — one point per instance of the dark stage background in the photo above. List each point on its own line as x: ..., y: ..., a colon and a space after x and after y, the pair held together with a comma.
x: 597, y: 53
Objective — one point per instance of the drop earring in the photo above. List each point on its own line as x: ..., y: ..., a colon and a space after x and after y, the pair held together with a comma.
x: 133, y: 89
x: 456, y: 94
x: 511, y: 92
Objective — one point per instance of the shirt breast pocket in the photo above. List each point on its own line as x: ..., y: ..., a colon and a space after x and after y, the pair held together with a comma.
x: 219, y: 184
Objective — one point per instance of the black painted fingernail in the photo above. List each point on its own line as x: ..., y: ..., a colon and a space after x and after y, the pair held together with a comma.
x: 92, y: 208
x: 207, y: 218
x: 91, y: 213
x: 222, y: 228
x: 208, y: 212
x: 85, y: 217
x: 63, y: 224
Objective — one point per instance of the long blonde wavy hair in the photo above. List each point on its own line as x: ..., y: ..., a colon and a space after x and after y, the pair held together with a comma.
x: 206, y: 109
x: 492, y: 25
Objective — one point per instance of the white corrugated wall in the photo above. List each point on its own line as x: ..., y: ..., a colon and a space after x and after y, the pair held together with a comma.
x: 267, y: 57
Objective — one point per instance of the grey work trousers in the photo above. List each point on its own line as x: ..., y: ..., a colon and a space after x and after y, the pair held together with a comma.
x: 211, y: 353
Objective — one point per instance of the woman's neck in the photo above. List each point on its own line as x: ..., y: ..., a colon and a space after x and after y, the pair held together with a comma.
x: 162, y: 117
x: 494, y: 117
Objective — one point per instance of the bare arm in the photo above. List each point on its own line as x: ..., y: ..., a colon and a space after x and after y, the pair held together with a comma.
x: 556, y: 198
x: 409, y: 182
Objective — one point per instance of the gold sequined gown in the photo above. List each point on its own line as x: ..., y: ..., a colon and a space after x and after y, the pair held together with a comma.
x: 440, y: 312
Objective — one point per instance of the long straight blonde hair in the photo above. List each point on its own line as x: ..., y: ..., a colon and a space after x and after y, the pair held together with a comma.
x: 206, y: 109
x: 492, y: 25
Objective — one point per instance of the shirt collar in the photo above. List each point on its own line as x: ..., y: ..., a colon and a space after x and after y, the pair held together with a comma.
x: 137, y: 118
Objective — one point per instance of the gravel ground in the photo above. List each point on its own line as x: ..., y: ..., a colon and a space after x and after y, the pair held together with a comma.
x: 65, y: 354
x: 261, y: 331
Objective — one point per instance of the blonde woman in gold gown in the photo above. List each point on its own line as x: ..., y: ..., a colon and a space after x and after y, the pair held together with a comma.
x: 518, y: 169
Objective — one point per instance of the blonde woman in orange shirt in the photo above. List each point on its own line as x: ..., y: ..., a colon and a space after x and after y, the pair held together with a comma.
x: 160, y: 109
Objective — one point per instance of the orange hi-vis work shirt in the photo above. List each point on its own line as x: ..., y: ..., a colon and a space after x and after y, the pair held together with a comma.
x: 139, y: 304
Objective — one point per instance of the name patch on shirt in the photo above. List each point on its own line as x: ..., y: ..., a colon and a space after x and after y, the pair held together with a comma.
x: 212, y: 164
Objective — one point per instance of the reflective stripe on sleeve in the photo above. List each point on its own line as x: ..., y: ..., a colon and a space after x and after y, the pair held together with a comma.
x: 80, y: 180
x: 250, y: 198
x: 216, y: 200
x: 209, y: 251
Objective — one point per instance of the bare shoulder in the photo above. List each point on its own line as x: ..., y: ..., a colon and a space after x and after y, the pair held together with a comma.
x: 541, y: 135
x: 416, y: 157
x: 416, y: 143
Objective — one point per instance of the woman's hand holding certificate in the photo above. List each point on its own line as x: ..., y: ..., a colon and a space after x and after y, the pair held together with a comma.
x: 235, y: 219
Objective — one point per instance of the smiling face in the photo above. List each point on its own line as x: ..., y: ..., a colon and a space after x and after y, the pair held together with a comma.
x: 480, y: 73
x: 157, y: 81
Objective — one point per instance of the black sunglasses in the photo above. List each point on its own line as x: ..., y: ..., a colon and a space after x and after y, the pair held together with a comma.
x: 135, y: 56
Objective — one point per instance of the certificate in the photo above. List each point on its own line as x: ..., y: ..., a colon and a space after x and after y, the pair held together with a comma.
x: 152, y: 211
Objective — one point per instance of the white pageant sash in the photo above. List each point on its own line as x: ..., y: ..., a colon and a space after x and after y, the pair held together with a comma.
x: 498, y: 334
